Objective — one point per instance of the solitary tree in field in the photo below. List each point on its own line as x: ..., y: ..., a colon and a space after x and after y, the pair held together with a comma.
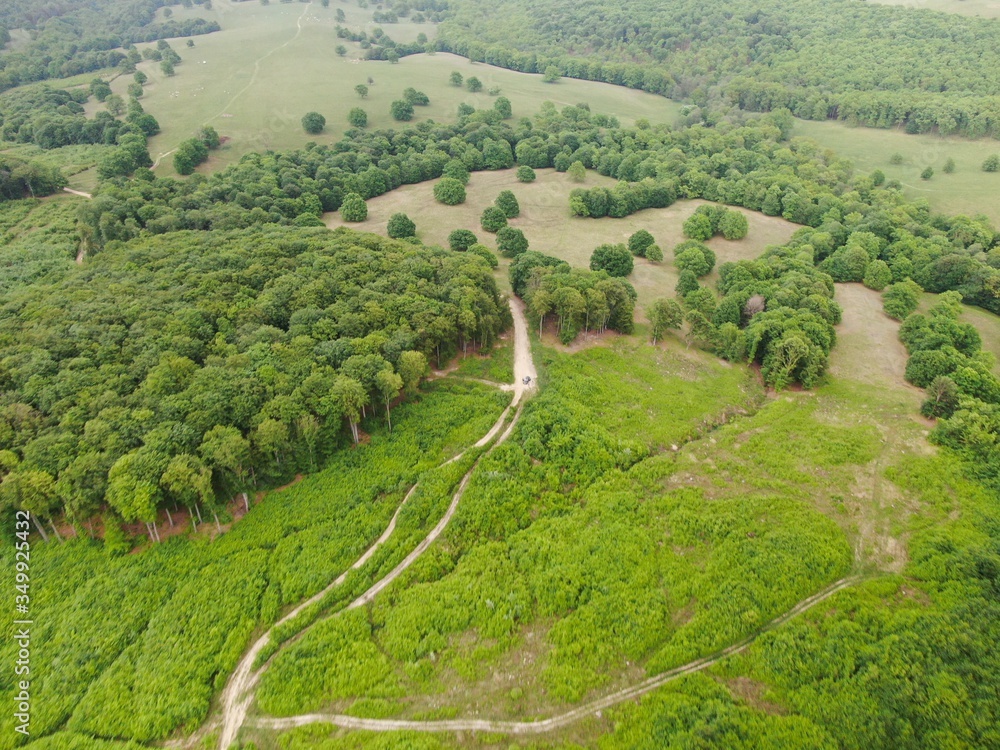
x: 507, y: 202
x: 361, y: 90
x: 461, y: 240
x: 313, y: 123
x: 992, y: 163
x: 639, y: 242
x: 340, y: 15
x: 341, y: 50
x: 353, y: 208
x: 473, y: 84
x: 615, y: 259
x: 401, y: 110
x: 358, y: 117
x: 949, y: 166
x: 551, y: 74
x: 456, y: 78
x: 400, y: 225
x: 449, y: 191
x: 525, y: 173
x: 927, y: 173
x: 493, y: 219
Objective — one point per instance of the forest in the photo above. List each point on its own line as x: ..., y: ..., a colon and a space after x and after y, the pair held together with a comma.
x: 864, y: 63
x: 183, y: 370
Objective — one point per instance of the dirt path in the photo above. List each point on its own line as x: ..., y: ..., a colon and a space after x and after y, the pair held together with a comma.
x: 562, y: 720
x: 77, y: 192
x: 238, y: 694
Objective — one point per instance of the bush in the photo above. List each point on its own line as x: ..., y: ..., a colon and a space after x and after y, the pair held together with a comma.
x: 695, y: 257
x: 493, y: 219
x: 507, y: 203
x: 525, y: 174
x: 901, y: 299
x: 416, y: 98
x: 313, y: 123
x: 698, y: 227
x: 734, y: 225
x: 456, y: 170
x: 577, y: 172
x: 615, y: 259
x: 189, y: 155
x: 687, y: 282
x: 401, y: 225
x: 473, y: 84
x: 927, y: 173
x: 358, y: 118
x: 511, y: 242
x: 877, y: 275
x: 502, y: 105
x: 401, y: 110
x: 353, y: 208
x: 992, y: 163
x: 461, y: 240
x: 449, y: 191
x: 654, y: 254
x: 484, y: 252
x: 639, y: 242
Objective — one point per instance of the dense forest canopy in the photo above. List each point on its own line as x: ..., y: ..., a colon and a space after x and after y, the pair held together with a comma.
x: 188, y: 367
x: 862, y: 62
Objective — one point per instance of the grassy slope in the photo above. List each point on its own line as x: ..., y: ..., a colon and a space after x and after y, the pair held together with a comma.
x: 968, y: 190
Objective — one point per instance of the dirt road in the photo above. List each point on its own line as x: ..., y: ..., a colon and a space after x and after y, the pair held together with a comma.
x: 562, y: 720
x: 238, y: 694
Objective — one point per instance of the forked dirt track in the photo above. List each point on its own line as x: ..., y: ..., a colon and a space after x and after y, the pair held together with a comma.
x: 239, y: 691
x: 562, y: 720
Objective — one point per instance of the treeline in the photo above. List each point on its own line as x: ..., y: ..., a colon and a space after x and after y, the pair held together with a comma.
x: 865, y: 63
x: 180, y: 370
x: 79, y: 36
x: 579, y: 299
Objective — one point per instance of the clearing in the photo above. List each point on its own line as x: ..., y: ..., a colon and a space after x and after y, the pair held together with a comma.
x: 546, y: 222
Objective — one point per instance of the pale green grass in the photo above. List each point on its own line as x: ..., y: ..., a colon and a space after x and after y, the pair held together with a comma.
x: 271, y: 64
x: 969, y: 190
x: 982, y: 8
x: 546, y: 222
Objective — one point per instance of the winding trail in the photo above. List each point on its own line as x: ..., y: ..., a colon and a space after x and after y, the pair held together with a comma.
x: 562, y: 720
x: 238, y: 694
x: 82, y: 194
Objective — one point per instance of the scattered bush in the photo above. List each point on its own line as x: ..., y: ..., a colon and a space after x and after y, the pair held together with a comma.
x: 400, y: 225
x: 449, y: 191
x: 615, y: 259
x: 493, y: 219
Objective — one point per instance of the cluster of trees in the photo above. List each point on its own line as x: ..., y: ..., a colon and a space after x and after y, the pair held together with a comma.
x: 708, y: 221
x: 27, y: 179
x: 580, y: 300
x: 78, y: 36
x: 194, y: 151
x: 963, y: 393
x: 199, y: 365
x: 820, y: 62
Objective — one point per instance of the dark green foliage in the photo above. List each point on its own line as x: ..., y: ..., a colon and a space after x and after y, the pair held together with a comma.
x: 507, y: 203
x: 733, y: 225
x: 26, y: 179
x: 639, y: 242
x: 502, y: 105
x: 400, y: 225
x: 353, y: 208
x: 357, y: 117
x: 927, y: 173
x: 580, y: 300
x: 313, y: 123
x: 210, y: 137
x: 473, y: 84
x: 511, y: 242
x: 654, y: 254
x: 189, y: 155
x: 455, y: 78
x: 456, y: 170
x: 401, y: 110
x: 698, y: 227
x: 485, y: 253
x: 942, y: 398
x: 520, y: 270
x: 449, y: 191
x: 695, y: 257
x: 686, y: 282
x: 461, y: 239
x: 992, y: 163
x: 525, y: 174
x: 615, y: 259
x: 877, y: 275
x: 901, y: 299
x: 415, y: 98
x: 493, y: 219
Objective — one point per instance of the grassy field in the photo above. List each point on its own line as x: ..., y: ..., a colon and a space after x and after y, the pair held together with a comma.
x: 981, y: 8
x: 968, y: 190
x: 546, y: 222
x: 240, y: 81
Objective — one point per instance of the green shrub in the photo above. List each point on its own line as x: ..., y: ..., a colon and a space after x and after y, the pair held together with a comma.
x: 449, y: 191
x: 493, y: 219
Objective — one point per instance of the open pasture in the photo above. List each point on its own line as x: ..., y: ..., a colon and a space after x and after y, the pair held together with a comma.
x: 546, y: 222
